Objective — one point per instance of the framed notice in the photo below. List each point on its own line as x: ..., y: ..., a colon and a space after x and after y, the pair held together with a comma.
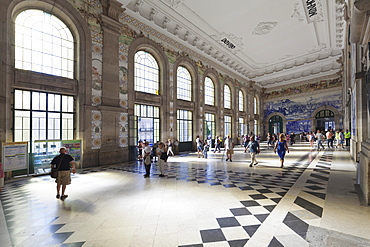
x: 15, y: 156
x: 74, y: 149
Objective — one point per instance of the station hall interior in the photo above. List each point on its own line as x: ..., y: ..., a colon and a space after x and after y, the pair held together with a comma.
x: 98, y: 76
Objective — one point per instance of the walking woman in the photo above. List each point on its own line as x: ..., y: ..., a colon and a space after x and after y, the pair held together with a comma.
x: 169, y: 148
x: 281, y: 147
x: 311, y: 139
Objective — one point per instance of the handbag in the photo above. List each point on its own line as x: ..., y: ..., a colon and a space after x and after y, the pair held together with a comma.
x: 164, y: 156
x: 147, y: 158
x: 54, y: 170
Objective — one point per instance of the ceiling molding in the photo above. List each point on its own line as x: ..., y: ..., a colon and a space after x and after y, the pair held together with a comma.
x: 191, y: 23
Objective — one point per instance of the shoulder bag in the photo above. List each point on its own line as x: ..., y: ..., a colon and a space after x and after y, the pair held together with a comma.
x: 54, y: 170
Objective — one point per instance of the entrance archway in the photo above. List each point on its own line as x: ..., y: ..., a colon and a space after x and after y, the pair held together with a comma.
x: 325, y: 120
x: 275, y: 124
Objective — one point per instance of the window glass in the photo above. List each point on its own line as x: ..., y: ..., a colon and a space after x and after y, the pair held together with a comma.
x: 241, y: 101
x: 241, y: 126
x: 43, y: 43
x: 209, y: 126
x: 146, y: 78
x: 46, y: 119
x: 227, y: 123
x: 227, y: 97
x: 256, y: 127
x: 148, y: 123
x: 184, y: 125
x: 209, y: 92
x: 183, y: 84
x: 255, y: 105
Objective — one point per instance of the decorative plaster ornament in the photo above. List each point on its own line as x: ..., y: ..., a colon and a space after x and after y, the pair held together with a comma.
x: 264, y: 28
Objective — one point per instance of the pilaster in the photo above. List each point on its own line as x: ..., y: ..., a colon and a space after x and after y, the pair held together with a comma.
x: 110, y: 151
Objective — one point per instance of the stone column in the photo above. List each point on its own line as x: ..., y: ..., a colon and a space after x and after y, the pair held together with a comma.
x: 110, y: 109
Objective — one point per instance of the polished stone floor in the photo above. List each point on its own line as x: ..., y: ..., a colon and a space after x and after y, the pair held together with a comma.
x: 312, y: 201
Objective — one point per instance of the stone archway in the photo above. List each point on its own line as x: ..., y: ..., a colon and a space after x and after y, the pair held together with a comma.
x: 324, y: 115
x: 278, y: 120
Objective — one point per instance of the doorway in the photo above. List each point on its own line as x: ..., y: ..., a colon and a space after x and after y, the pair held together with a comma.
x: 275, y: 124
x: 325, y: 120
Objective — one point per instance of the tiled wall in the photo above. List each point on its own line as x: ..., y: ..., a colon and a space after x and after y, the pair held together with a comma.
x: 300, y: 109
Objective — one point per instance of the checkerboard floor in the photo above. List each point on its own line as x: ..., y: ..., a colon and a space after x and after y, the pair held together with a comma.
x: 200, y: 202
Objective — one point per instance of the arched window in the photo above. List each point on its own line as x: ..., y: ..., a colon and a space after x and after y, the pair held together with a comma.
x: 183, y: 84
x: 209, y: 92
x: 241, y: 101
x: 43, y: 43
x: 324, y: 114
x: 255, y: 105
x: 146, y: 73
x: 227, y: 97
x: 325, y: 120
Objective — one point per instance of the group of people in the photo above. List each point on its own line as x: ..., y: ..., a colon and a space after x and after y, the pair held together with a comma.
x: 338, y: 137
x: 158, y: 152
x: 204, y: 146
x: 279, y: 144
x: 280, y: 147
x: 250, y: 143
x: 273, y: 138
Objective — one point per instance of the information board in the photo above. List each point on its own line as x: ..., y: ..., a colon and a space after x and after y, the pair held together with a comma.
x: 74, y: 149
x: 15, y: 156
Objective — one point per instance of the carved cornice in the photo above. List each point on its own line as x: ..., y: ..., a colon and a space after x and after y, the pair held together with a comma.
x: 112, y: 8
x: 174, y: 3
x: 226, y: 49
x: 109, y: 24
x: 194, y: 55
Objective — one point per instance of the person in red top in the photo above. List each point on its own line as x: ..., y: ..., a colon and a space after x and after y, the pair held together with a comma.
x: 64, y: 161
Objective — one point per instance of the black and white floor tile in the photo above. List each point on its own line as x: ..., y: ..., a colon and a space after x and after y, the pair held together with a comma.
x: 200, y: 202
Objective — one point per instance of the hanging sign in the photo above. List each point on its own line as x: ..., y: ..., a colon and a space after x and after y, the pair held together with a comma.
x: 313, y: 10
x: 228, y: 43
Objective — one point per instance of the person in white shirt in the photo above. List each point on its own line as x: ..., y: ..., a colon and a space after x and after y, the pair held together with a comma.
x: 229, y: 147
x: 147, y: 159
x: 319, y: 138
x: 199, y: 147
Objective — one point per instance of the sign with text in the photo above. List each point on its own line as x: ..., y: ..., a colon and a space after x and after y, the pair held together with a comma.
x: 313, y: 10
x: 74, y: 148
x: 15, y: 155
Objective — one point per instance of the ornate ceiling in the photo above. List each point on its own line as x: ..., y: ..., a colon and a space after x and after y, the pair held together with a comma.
x: 269, y: 42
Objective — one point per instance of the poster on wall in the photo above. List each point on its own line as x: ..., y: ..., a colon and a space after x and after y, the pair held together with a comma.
x: 353, y: 111
x: 15, y: 156
x: 74, y: 148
